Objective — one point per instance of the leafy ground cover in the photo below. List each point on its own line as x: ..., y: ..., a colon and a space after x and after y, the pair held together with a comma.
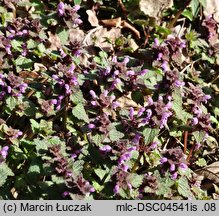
x: 109, y: 99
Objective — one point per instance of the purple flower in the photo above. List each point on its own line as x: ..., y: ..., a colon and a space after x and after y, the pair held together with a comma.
x: 116, y: 189
x: 206, y: 98
x: 136, y: 139
x: 115, y: 104
x: 143, y: 72
x: 76, y: 7
x: 131, y: 113
x: 77, y: 21
x: 4, y: 151
x: 115, y: 73
x: 163, y: 160
x: 114, y: 59
x: 72, y: 68
x: 130, y: 73
x: 141, y: 111
x: 61, y: 9
x: 126, y: 60
x: 165, y: 66
x: 92, y: 190
x: 74, y: 81
x: 93, y: 94
x: 73, y: 155
x: 9, y: 89
x: 106, y: 148
x: 174, y: 176
x: 54, y: 101
x: 91, y: 126
x: 125, y: 167
x: 8, y: 49
x: 172, y: 167
x: 150, y: 101
x: 183, y: 166
x: 156, y: 42
x: 23, y: 87
x: 194, y: 121
x: 65, y: 193
x: 179, y: 83
x: 62, y: 53
x: 197, y: 146
x: 160, y: 55
x: 107, y: 71
x: 154, y: 145
x: 94, y: 103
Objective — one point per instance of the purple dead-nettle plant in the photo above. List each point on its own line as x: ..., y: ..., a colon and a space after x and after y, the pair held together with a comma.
x: 172, y: 160
x: 12, y: 85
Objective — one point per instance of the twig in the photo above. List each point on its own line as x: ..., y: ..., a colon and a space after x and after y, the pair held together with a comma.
x: 178, y: 14
x: 136, y: 162
x: 185, y: 141
x: 124, y: 10
x: 190, y: 152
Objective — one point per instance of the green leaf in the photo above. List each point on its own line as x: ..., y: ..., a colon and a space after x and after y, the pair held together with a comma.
x: 135, y: 180
x: 11, y: 102
x: 77, y: 2
x: 138, y: 97
x: 76, y: 166
x: 100, y: 173
x: 31, y: 44
x: 203, y: 2
x: 77, y: 97
x: 177, y: 106
x: 23, y: 62
x: 34, y: 125
x: 115, y: 135
x: 183, y: 187
x: 5, y: 171
x: 35, y: 167
x: 149, y: 134
x: 201, y: 162
x: 199, y: 136
x: 98, y: 139
x: 207, y: 58
x: 63, y: 35
x: 164, y: 184
x: 41, y: 145
x: 17, y: 45
x: 188, y: 14
x: 79, y: 112
x: 194, y: 4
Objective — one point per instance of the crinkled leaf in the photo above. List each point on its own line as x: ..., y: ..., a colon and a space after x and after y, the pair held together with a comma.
x: 149, y: 134
x: 5, y: 171
x: 136, y: 180
x: 199, y: 136
x: 183, y: 187
x: 115, y: 135
x: 79, y: 112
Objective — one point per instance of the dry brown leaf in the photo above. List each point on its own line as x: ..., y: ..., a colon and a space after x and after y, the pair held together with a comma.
x: 154, y: 8
x: 92, y: 18
x: 127, y: 101
x: 76, y: 35
x: 99, y: 35
x: 112, y: 22
x: 212, y: 8
x: 54, y: 40
x: 210, y: 172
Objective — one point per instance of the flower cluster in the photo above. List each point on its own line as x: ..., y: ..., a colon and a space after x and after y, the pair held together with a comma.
x: 11, y: 85
x: 69, y: 13
x: 172, y: 160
